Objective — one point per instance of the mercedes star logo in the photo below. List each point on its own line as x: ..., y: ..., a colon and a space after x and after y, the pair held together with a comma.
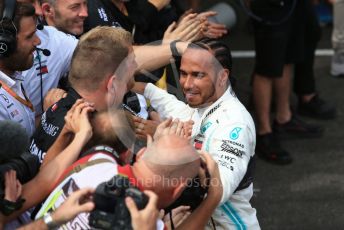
x: 3, y: 48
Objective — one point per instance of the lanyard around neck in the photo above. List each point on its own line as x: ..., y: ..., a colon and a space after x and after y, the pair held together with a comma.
x: 25, y: 102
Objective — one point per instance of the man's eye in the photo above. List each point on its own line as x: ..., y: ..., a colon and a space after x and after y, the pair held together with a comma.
x: 199, y: 75
x: 181, y: 73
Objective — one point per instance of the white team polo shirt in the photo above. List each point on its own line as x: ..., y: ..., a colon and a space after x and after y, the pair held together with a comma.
x: 11, y: 108
x: 52, y: 68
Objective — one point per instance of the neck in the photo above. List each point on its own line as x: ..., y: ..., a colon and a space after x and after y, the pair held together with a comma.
x: 92, y: 97
x: 49, y: 22
x: 6, y: 71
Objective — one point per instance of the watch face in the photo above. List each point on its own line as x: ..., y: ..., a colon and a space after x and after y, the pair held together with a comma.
x: 48, y: 220
x: 8, y: 207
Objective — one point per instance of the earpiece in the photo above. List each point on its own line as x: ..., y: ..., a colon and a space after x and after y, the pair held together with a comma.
x: 8, y: 31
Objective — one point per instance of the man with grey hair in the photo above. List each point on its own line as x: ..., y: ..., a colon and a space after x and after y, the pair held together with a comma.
x: 67, y: 16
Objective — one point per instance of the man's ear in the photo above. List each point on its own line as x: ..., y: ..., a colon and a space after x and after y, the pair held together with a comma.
x: 47, y: 10
x: 224, y: 77
x: 140, y: 153
x: 110, y: 82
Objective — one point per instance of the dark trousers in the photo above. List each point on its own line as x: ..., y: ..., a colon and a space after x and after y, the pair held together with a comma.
x: 304, y: 81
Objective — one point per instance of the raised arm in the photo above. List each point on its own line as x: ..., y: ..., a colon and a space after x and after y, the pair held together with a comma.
x: 155, y: 55
x: 39, y: 187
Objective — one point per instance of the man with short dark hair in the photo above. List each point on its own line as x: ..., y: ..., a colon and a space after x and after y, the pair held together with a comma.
x: 18, y: 40
x: 51, y: 61
x: 222, y: 126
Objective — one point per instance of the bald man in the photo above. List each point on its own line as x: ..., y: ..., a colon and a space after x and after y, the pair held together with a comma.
x: 156, y: 169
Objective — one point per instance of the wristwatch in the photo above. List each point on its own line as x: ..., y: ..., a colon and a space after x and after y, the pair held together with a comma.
x: 48, y: 220
x: 8, y: 207
x: 175, y: 54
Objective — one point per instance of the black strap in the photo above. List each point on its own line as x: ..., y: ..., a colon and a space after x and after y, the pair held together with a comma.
x: 8, y: 207
x: 175, y: 54
x: 171, y: 219
x: 248, y: 177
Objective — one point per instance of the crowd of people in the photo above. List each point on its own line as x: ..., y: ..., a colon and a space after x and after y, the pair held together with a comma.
x: 95, y: 141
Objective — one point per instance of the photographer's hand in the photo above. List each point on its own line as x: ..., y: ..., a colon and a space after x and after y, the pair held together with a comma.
x: 73, y: 206
x: 146, y: 218
x: 13, y: 188
x: 77, y: 202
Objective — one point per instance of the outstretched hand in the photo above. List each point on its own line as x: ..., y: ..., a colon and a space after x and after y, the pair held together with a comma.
x: 176, y: 127
x: 144, y: 127
x: 53, y: 96
x: 188, y: 29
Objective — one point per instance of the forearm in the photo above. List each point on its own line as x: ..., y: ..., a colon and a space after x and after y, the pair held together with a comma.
x: 49, y: 174
x: 54, y: 168
x: 167, y: 105
x: 36, y: 225
x: 62, y: 141
x: 153, y: 56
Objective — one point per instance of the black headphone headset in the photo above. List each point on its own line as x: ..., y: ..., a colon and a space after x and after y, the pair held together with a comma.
x: 8, y: 36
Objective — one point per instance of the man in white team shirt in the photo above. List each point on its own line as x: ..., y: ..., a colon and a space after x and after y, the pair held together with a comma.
x: 58, y: 37
x: 222, y: 127
x: 17, y: 43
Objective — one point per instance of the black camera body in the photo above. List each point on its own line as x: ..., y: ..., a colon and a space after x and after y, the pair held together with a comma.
x: 110, y: 210
x: 26, y: 167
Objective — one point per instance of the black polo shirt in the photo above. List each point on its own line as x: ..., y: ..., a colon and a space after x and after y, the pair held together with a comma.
x: 51, y: 124
x: 141, y: 14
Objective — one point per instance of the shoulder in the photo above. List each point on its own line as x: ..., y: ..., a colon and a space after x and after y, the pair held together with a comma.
x: 233, y: 111
x: 50, y: 35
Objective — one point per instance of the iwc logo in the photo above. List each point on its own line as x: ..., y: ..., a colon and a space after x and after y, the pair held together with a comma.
x: 3, y: 48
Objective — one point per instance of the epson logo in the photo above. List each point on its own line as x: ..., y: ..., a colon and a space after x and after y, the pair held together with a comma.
x: 230, y: 149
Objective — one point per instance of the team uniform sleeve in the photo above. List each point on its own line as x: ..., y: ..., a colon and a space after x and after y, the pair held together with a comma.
x: 3, y: 112
x: 231, y: 146
x: 66, y: 50
x: 167, y: 105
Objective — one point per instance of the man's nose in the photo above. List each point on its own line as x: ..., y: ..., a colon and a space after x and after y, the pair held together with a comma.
x: 83, y: 12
